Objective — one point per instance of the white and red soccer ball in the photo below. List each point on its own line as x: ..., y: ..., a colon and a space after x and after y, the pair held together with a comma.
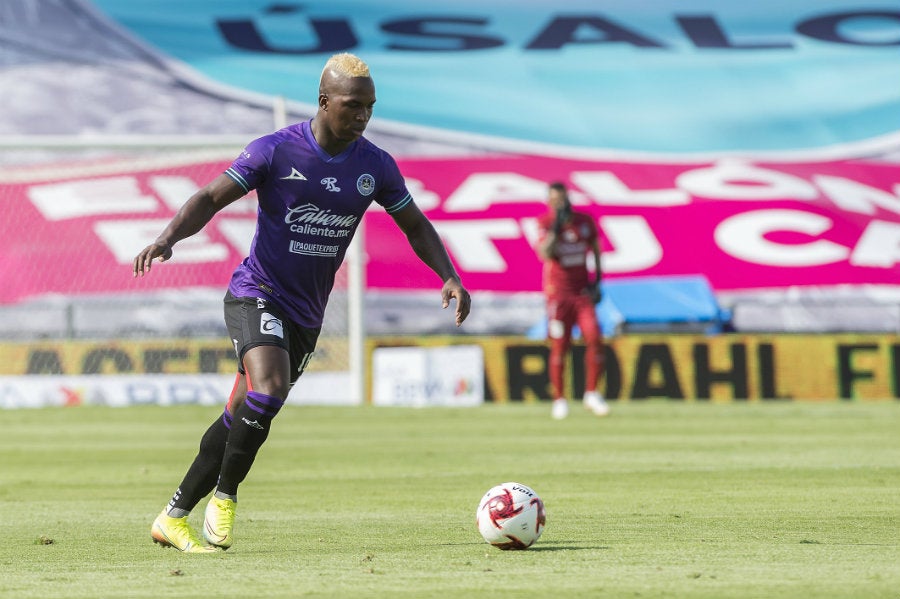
x: 511, y: 516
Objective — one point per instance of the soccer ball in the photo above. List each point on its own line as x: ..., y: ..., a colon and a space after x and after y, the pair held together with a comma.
x: 511, y: 516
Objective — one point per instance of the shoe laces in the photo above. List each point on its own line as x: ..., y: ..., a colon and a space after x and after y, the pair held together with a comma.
x: 183, y: 528
x: 226, y: 509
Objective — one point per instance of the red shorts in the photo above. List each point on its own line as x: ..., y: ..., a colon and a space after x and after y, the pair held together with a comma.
x: 564, y: 312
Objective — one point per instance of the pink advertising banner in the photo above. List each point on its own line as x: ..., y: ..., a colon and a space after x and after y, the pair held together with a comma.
x: 745, y: 225
x: 74, y: 229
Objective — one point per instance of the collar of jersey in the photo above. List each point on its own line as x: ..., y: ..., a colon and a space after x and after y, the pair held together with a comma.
x: 325, y: 156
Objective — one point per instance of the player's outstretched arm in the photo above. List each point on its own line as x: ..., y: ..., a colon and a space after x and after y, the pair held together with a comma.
x: 192, y: 217
x: 428, y: 246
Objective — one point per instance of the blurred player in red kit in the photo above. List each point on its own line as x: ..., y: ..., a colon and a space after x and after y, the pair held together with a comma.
x: 565, y: 238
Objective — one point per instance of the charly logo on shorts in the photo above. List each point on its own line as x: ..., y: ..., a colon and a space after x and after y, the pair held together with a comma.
x: 269, y: 325
x: 365, y: 184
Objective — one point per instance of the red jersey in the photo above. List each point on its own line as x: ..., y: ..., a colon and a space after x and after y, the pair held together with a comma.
x: 566, y: 272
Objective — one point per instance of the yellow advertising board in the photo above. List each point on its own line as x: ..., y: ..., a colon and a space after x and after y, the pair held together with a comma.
x: 679, y: 367
x: 158, y: 356
x: 698, y: 367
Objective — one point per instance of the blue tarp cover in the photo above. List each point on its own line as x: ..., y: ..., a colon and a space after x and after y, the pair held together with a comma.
x: 652, y: 301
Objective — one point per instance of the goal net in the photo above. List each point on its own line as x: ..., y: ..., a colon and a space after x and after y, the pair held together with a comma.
x: 72, y: 221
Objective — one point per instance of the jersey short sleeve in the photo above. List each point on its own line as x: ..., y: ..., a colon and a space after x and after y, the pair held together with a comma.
x: 250, y: 169
x: 393, y: 194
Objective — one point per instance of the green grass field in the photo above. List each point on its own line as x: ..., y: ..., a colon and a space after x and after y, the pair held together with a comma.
x: 659, y: 500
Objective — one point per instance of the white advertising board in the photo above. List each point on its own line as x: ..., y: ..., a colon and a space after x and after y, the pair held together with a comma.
x: 39, y: 391
x: 428, y: 376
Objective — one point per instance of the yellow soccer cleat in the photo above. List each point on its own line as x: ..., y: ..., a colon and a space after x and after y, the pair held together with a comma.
x: 219, y: 522
x: 177, y: 533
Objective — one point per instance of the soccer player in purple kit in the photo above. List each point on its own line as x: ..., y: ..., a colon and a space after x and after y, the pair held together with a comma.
x: 314, y: 181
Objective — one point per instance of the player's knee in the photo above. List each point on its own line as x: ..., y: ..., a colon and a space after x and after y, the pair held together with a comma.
x: 558, y: 349
x: 274, y: 385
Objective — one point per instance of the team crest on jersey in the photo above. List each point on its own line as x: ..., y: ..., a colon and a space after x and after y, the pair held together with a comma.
x: 365, y: 184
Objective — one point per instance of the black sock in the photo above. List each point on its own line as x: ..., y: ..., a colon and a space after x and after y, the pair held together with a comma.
x: 248, y: 432
x: 204, y: 471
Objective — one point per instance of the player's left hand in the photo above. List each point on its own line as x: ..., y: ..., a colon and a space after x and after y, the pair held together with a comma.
x: 453, y: 289
x: 596, y: 292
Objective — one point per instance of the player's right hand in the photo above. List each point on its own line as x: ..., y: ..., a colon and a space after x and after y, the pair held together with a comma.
x: 155, y: 251
x: 558, y: 223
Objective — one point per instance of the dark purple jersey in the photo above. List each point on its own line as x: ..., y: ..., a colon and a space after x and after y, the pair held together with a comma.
x: 310, y: 204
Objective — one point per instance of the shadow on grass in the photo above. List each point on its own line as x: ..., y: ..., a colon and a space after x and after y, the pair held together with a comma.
x: 560, y: 547
x: 537, y: 546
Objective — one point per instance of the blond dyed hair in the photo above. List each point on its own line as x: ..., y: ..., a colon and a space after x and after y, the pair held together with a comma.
x: 347, y: 64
